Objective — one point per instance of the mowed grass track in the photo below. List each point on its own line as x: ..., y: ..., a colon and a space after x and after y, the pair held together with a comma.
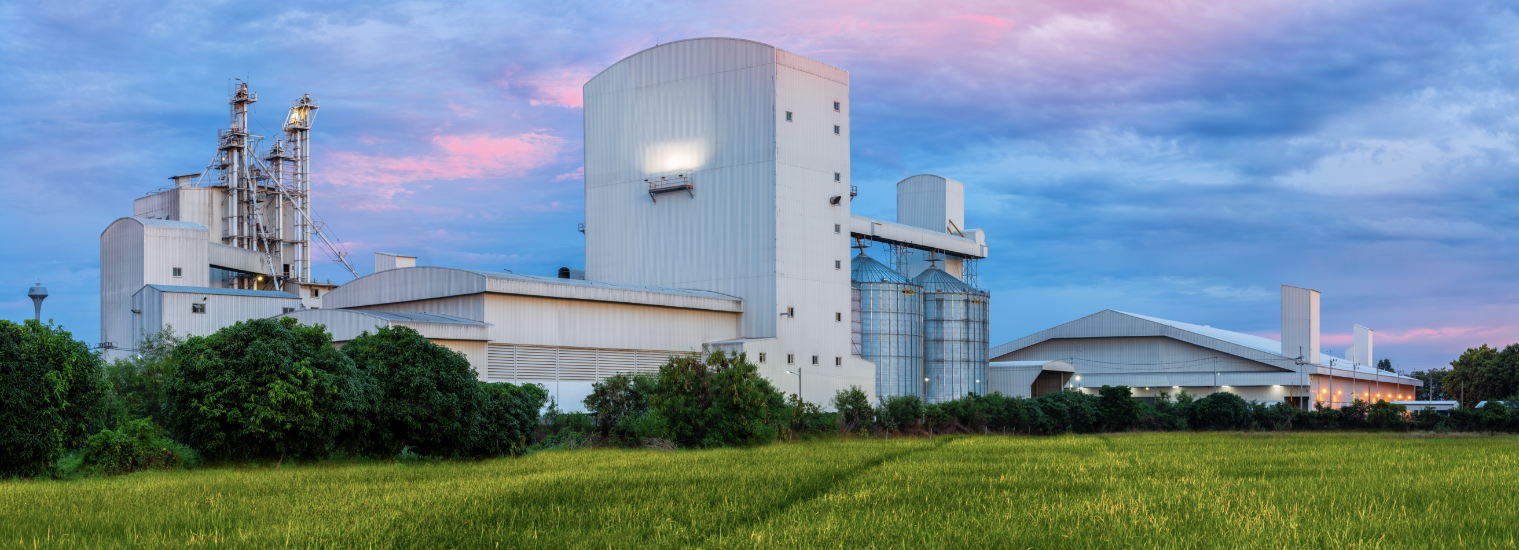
x: 1315, y: 490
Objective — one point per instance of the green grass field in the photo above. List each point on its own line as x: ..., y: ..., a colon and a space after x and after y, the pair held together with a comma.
x: 1313, y: 490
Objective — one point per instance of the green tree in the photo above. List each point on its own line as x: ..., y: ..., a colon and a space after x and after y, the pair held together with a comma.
x: 428, y: 396
x: 1220, y: 411
x: 265, y: 389
x: 1484, y: 374
x: 52, y: 396
x: 1385, y: 364
x: 137, y: 383
x: 509, y: 418
x: 717, y: 402
x: 1120, y: 412
x: 1434, y: 387
x: 619, y: 398
x: 854, y: 409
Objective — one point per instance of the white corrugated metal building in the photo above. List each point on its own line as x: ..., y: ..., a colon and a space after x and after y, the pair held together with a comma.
x: 1153, y: 355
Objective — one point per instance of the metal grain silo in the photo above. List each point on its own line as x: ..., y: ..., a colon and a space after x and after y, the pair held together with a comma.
x: 891, y: 326
x: 954, y: 337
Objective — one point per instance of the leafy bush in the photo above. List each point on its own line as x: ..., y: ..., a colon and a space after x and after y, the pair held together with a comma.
x: 265, y: 389
x: 1495, y: 416
x: 137, y: 384
x: 52, y: 396
x: 428, y: 397
x: 1119, y: 410
x: 134, y: 446
x: 717, y: 402
x: 854, y: 409
x: 577, y: 422
x: 1385, y: 416
x: 508, y: 417
x: 1063, y: 411
x: 1005, y: 413
x: 901, y: 412
x: 617, y: 399
x: 807, y: 419
x: 646, y: 426
x: 1220, y: 411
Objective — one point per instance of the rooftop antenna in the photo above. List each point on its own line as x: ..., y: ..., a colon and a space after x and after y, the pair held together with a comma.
x: 38, y: 294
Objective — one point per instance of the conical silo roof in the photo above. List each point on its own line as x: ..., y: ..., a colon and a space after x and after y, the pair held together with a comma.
x: 864, y: 269
x: 934, y: 279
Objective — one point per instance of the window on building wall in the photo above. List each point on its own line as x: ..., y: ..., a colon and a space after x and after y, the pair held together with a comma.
x: 790, y: 358
x: 179, y: 272
x: 838, y: 316
x: 788, y: 116
x: 838, y: 264
x: 837, y: 130
x: 197, y: 308
x: 287, y: 310
x: 814, y: 359
x: 837, y: 228
x: 837, y: 176
x: 316, y: 293
x: 791, y: 312
x: 835, y: 105
x: 762, y: 357
x: 838, y: 361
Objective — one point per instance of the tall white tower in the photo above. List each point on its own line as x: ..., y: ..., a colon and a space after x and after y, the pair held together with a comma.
x: 722, y: 165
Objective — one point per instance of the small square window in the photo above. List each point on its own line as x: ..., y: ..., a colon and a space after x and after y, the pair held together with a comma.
x: 836, y: 130
x: 814, y: 359
x: 837, y: 176
x: 762, y: 357
x: 178, y: 272
x: 837, y: 228
x: 197, y: 308
x: 316, y: 293
x: 838, y: 361
x: 838, y: 264
x: 788, y: 116
x: 835, y: 106
x: 838, y: 316
x: 790, y: 358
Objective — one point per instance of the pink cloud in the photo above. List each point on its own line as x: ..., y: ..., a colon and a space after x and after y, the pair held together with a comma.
x: 561, y: 88
x: 451, y: 158
x: 578, y: 174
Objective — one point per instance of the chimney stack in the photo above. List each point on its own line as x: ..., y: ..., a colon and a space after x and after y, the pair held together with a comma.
x: 1363, y: 345
x: 1300, y: 323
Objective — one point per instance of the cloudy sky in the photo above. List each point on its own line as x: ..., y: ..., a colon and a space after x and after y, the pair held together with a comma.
x: 1179, y: 159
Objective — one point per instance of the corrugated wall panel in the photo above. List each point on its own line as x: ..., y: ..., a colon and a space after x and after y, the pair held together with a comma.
x: 515, y: 363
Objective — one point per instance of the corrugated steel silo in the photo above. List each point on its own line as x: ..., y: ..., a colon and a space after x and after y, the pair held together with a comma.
x: 891, y: 326
x: 954, y: 337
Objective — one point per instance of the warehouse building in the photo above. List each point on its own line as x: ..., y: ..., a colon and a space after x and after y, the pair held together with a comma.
x: 1156, y: 356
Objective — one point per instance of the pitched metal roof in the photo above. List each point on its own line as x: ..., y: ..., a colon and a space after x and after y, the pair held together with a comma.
x: 1111, y: 323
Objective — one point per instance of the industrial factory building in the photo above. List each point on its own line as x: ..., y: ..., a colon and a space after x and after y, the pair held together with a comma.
x: 1156, y: 356
x: 718, y: 217
x: 717, y: 192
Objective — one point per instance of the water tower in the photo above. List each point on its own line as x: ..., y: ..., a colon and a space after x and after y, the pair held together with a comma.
x: 38, y: 294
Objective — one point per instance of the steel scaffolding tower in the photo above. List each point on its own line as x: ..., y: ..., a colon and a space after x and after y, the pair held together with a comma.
x: 268, y: 206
